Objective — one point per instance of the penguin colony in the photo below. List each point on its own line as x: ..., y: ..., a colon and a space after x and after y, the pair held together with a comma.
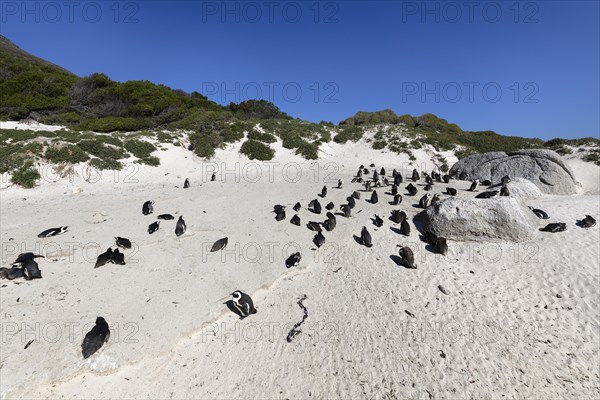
x: 242, y: 304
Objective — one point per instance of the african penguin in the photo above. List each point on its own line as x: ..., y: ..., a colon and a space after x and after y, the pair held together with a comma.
x: 95, y: 338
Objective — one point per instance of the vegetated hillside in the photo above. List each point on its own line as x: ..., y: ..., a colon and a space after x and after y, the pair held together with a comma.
x: 98, y: 112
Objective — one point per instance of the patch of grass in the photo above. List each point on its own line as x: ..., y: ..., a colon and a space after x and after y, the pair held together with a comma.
x: 26, y: 176
x: 256, y: 150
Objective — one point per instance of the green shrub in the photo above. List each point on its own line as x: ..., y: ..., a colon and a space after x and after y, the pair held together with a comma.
x: 256, y: 150
x: 26, y: 176
x: 150, y: 160
x: 67, y: 153
x: 102, y: 164
x: 350, y: 132
x: 139, y: 148
x: 262, y: 137
x: 310, y: 151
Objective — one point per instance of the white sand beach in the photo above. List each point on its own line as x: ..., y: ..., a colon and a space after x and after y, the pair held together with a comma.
x: 519, y: 320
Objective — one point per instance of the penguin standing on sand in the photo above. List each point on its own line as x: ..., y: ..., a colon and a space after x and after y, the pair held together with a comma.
x: 148, y: 208
x: 474, y: 185
x: 180, y: 227
x: 365, y: 237
x: 324, y: 192
x: 186, y: 184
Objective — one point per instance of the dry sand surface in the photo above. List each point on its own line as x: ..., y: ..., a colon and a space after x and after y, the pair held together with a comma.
x: 519, y: 320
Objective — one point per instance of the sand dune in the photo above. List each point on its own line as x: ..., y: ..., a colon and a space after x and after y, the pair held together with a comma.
x: 521, y: 319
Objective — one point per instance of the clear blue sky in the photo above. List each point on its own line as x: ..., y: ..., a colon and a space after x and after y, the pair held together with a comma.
x: 527, y: 68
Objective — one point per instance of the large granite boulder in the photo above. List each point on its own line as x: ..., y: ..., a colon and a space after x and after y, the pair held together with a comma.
x: 543, y: 167
x: 470, y: 219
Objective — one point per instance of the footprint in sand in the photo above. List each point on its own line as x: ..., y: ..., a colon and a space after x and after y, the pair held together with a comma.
x: 98, y: 217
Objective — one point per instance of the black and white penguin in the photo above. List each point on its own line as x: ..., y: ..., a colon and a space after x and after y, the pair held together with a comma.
x: 117, y: 257
x: 486, y: 183
x: 293, y: 260
x: 434, y: 199
x: 396, y: 216
x: 324, y: 192
x: 346, y: 210
x: 374, y: 197
x: 394, y: 189
x: 186, y: 184
x: 32, y: 269
x: 407, y: 258
x: 351, y: 201
x: 382, y: 172
x: 15, y: 272
x: 365, y: 237
x: 446, y: 178
x: 588, y: 222
x: 487, y: 195
x: 405, y: 228
x: 330, y: 206
x: 148, y: 207
x: 451, y: 191
x: 356, y: 195
x: 541, y: 214
x: 104, y: 258
x: 377, y: 221
x: 555, y: 227
x: 397, y: 199
x: 398, y: 179
x: 295, y: 220
x: 280, y: 215
x: 504, y: 191
x: 219, y: 244
x: 340, y: 184
x: 165, y: 217
x: 53, y: 232
x: 123, y: 242
x: 319, y: 239
x: 180, y: 227
x: 424, y: 201
x: 474, y: 185
x: 440, y: 245
x: 505, y: 180
x: 314, y: 226
x: 316, y: 206
x: 415, y: 175
x: 330, y: 223
x: 153, y: 227
x: 213, y: 177
x: 297, y: 207
x: 412, y: 190
x: 428, y: 187
x: 95, y: 338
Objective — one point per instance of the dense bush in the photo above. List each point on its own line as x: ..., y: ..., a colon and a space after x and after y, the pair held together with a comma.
x: 256, y: 150
x: 67, y: 153
x: 139, y: 148
x: 345, y: 133
x: 262, y: 137
x: 26, y: 176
